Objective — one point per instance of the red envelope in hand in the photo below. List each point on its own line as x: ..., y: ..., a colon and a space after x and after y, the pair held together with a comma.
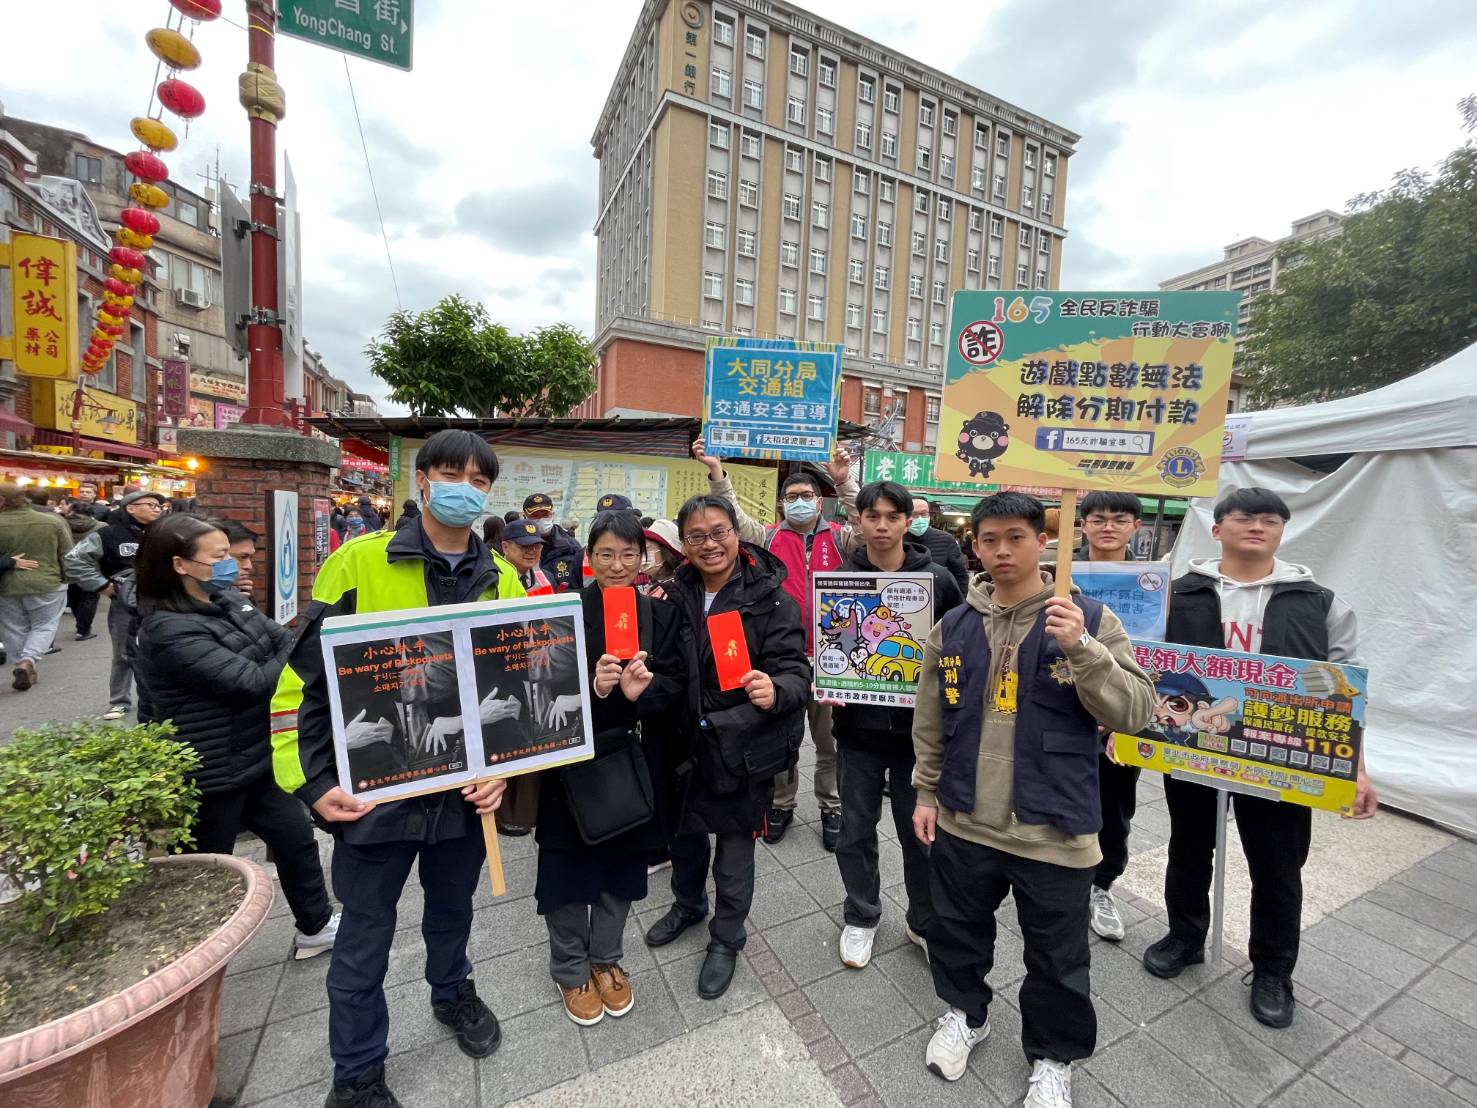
x: 730, y: 649
x: 621, y: 635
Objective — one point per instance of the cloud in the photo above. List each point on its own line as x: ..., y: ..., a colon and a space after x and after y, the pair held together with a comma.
x: 534, y: 220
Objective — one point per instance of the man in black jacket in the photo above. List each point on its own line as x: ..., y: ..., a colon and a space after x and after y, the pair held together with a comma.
x: 941, y: 545
x: 563, y: 558
x: 875, y: 744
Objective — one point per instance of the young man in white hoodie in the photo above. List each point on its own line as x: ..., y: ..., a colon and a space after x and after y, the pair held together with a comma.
x: 1249, y: 600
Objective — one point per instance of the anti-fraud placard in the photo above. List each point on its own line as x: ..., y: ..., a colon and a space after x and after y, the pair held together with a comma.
x: 869, y: 636
x: 1120, y: 391
x: 428, y: 699
x: 1138, y: 593
x: 1287, y: 725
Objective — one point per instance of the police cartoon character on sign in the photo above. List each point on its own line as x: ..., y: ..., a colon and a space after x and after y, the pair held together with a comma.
x: 982, y: 439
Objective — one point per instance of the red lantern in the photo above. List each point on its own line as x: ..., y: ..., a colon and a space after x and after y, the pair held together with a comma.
x: 146, y: 166
x: 202, y: 10
x: 127, y: 257
x: 119, y: 288
x: 140, y: 220
x: 182, y: 98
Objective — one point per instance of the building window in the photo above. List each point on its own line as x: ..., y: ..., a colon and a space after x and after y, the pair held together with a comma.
x: 1025, y: 238
x: 946, y: 209
x: 719, y: 135
x: 861, y: 183
x: 935, y: 333
x: 799, y: 62
x: 864, y: 136
x: 856, y: 271
x: 891, y: 97
x: 889, y: 144
x: 714, y: 235
x: 925, y: 157
x: 925, y: 115
x: 920, y: 243
x: 1028, y: 196
x: 794, y: 160
x: 788, y: 300
x: 722, y: 31
x: 823, y: 170
x: 982, y: 136
x: 820, y: 214
x: 749, y: 145
x: 1049, y: 166
x: 743, y: 292
x: 977, y: 177
x: 920, y: 202
x: 880, y: 278
x: 795, y: 112
x: 1022, y: 276
x: 717, y: 185
x: 1002, y: 144
x: 885, y: 190
x: 818, y: 261
x: 747, y: 243
x: 748, y: 193
x: 915, y: 285
x: 713, y: 286
x: 815, y: 307
x: 722, y: 83
x: 879, y: 320
x: 1043, y: 243
x: 792, y: 206
x: 999, y: 189
x: 915, y: 327
x: 951, y: 124
x: 938, y: 292
x: 790, y: 254
x: 754, y: 43
x: 932, y: 411
x: 753, y: 94
x: 976, y: 219
x: 946, y: 166
x: 972, y: 259
x: 1041, y: 278
x: 1030, y: 157
x: 858, y: 226
x: 825, y: 122
x: 997, y: 227
x: 884, y: 234
x: 89, y: 170
x: 872, y: 398
x: 941, y: 250
x: 853, y: 315
x: 993, y: 267
x: 1046, y: 203
x: 827, y: 73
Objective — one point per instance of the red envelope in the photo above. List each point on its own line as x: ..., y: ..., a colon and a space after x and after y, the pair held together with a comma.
x: 621, y: 635
x: 730, y: 649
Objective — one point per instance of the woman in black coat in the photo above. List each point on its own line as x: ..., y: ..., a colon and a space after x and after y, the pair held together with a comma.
x: 208, y: 661
x: 744, y: 736
x: 584, y: 891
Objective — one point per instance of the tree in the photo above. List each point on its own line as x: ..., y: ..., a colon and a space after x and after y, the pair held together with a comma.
x: 1389, y: 297
x: 453, y: 359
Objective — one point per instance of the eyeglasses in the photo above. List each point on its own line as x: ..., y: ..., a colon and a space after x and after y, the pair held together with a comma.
x: 698, y: 538
x: 606, y: 558
x: 1266, y: 520
x: 792, y: 497
x: 1109, y: 521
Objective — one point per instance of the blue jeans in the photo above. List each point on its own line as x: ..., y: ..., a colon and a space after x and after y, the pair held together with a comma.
x: 368, y: 880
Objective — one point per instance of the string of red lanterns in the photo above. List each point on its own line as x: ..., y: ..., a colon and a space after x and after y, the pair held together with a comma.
x: 138, y: 225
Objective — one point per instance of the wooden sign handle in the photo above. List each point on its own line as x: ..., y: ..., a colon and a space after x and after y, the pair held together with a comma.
x: 1066, y: 527
x: 494, y: 854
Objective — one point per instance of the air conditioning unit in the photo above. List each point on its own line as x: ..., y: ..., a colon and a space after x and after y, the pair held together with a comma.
x: 189, y: 298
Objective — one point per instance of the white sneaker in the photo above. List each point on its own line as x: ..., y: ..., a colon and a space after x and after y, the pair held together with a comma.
x: 948, y: 1050
x: 1051, y: 1085
x: 116, y: 711
x: 310, y: 946
x: 856, y: 945
x: 916, y: 939
x: 1104, y: 915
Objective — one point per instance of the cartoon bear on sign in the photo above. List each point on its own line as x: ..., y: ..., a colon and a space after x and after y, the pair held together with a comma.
x: 982, y: 439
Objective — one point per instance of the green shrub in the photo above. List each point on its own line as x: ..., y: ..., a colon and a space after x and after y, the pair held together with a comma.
x: 82, y: 805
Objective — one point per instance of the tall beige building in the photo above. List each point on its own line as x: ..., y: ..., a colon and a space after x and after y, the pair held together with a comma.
x: 765, y: 172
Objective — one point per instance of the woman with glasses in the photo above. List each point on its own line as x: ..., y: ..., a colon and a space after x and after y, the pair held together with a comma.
x: 640, y: 710
x: 745, y: 735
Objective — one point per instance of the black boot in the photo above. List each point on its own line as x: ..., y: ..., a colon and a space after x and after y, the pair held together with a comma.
x: 370, y: 1091
x: 776, y: 822
x: 477, y: 1031
x: 830, y: 828
x: 717, y: 971
x: 1169, y: 956
x: 677, y: 920
x: 1271, y: 999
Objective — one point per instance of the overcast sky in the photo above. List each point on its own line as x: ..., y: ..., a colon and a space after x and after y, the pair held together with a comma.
x: 1202, y: 121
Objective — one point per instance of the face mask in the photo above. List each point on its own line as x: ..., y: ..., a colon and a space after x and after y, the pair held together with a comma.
x: 455, y: 503
x: 544, y: 525
x: 801, y: 512
x: 223, y: 575
x: 918, y: 526
x: 354, y: 525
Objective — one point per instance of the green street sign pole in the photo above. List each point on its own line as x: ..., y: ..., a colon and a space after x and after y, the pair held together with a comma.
x: 378, y: 30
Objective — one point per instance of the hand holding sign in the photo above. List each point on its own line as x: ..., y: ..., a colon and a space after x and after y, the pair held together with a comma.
x: 607, y: 674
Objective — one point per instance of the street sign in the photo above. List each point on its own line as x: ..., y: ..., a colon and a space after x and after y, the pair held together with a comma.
x: 379, y: 30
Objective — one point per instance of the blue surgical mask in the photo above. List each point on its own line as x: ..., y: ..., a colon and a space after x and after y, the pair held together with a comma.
x: 455, y: 503
x: 223, y: 575
x: 801, y: 512
x: 919, y: 526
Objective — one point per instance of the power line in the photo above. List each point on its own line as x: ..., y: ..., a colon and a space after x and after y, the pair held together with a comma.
x: 372, y: 190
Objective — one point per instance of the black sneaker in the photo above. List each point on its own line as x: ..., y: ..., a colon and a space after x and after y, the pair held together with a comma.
x: 1169, y: 956
x: 776, y: 823
x: 370, y: 1091
x: 512, y: 830
x: 1272, y: 1002
x: 477, y: 1032
x: 830, y: 828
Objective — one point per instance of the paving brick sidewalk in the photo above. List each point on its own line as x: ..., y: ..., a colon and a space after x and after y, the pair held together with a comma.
x: 1386, y: 984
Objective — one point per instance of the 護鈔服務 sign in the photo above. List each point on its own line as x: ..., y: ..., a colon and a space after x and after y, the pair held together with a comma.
x: 380, y: 30
x: 771, y: 398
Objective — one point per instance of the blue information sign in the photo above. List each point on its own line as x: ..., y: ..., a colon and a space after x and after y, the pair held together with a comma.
x: 771, y: 398
x: 1138, y: 593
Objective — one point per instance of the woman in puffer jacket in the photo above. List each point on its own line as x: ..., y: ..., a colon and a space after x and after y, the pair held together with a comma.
x: 208, y: 662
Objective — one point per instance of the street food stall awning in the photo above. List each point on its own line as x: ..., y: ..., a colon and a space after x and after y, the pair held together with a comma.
x: 46, y: 437
x: 9, y: 421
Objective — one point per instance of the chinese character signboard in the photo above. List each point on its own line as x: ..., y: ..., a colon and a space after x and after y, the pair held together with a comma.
x: 101, y: 415
x: 380, y: 30
x: 869, y: 634
x: 1120, y: 391
x: 228, y: 414
x: 430, y: 699
x: 43, y: 303
x: 227, y: 388
x: 322, y: 522
x: 1287, y: 725
x: 771, y: 398
x: 915, y: 472
x: 176, y: 394
x: 1138, y: 593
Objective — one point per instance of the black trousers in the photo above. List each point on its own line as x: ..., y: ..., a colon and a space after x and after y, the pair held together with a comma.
x: 863, y: 773
x: 1117, y: 788
x: 1275, y: 838
x: 368, y: 880
x: 969, y: 881
x: 281, y: 822
x: 84, y: 607
x: 733, y: 878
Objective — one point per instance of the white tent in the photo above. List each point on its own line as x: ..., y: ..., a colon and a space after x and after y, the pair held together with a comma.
x: 1393, y: 530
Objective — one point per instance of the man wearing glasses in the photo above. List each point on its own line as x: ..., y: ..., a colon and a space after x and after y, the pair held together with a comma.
x: 805, y: 544
x: 1250, y: 600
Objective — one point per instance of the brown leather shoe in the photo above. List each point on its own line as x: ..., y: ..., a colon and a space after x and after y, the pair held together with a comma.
x: 615, y: 989
x: 583, y: 1005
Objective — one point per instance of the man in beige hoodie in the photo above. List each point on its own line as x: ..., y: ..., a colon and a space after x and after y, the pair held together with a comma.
x: 1014, y: 685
